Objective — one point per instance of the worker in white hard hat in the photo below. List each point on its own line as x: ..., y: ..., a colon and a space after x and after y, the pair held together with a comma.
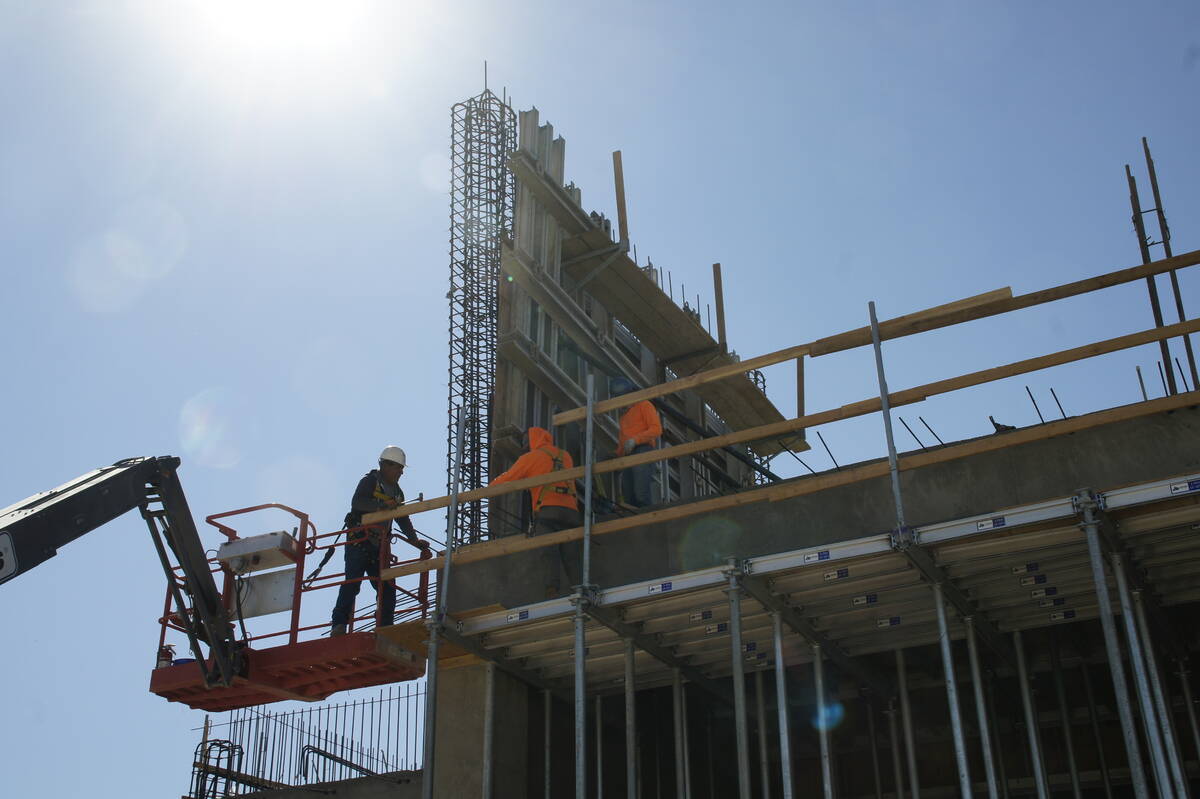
x: 379, y: 489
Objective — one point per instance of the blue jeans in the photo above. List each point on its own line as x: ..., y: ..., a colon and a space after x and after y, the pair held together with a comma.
x: 362, y: 560
x: 636, y: 481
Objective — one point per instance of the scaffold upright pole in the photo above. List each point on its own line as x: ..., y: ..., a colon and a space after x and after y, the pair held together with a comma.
x: 785, y: 743
x: 739, y: 680
x: 985, y: 732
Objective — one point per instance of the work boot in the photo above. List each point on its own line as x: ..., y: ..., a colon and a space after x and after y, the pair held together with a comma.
x: 336, y: 630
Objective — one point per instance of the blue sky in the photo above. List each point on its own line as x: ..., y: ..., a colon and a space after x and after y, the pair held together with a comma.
x: 225, y: 237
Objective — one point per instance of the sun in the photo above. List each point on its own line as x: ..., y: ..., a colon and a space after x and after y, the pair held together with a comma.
x: 279, y: 32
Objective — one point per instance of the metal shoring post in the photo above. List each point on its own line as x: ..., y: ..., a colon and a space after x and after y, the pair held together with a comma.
x: 897, y: 769
x: 546, y: 708
x: 785, y: 744
x: 582, y: 596
x: 1171, y: 747
x: 599, y: 750
x: 998, y: 748
x: 438, y: 620
x: 687, y: 752
x: 822, y: 732
x: 489, y: 718
x: 1095, y: 722
x: 886, y: 408
x: 739, y: 680
x: 1138, y: 660
x: 1112, y: 646
x: 1183, y: 675
x: 1031, y: 719
x: 960, y: 746
x: 874, y: 748
x: 1064, y: 714
x: 677, y: 718
x: 910, y: 749
x: 630, y: 726
x: 763, y: 766
x: 985, y: 735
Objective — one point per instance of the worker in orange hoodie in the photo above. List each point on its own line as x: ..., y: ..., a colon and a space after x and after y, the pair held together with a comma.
x: 640, y: 430
x: 555, y: 506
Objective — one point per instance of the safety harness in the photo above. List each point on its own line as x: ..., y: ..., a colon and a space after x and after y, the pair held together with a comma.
x: 568, y: 488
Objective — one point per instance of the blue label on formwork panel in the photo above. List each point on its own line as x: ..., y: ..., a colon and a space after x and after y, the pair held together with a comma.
x: 988, y: 524
x: 865, y: 599
x: 660, y: 588
x: 713, y: 629
x: 1063, y: 615
x: 813, y: 557
x: 891, y: 621
x: 840, y: 574
x: 1183, y: 488
x: 1052, y: 603
x: 518, y: 616
x: 1037, y: 579
x: 1028, y: 567
x: 1038, y: 593
x: 750, y: 646
x: 701, y: 615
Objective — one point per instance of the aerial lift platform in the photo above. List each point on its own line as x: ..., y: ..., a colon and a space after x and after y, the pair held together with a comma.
x: 260, y: 575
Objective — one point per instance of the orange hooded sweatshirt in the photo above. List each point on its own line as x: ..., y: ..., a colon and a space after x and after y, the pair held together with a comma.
x: 641, y: 423
x: 541, y: 460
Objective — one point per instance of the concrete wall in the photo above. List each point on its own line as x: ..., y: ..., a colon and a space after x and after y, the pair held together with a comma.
x: 1133, y: 451
x: 458, y: 768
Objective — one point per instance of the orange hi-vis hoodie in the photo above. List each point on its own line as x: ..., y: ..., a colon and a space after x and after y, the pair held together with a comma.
x: 641, y: 423
x: 541, y: 459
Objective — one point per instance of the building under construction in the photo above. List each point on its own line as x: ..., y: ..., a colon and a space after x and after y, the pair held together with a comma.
x: 1007, y: 615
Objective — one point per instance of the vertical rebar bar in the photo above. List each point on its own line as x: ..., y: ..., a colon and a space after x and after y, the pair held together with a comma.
x: 1137, y: 659
x: 822, y: 723
x: 437, y: 620
x: 1087, y: 504
x: 763, y: 761
x: 1171, y: 748
x: 1064, y: 714
x: 785, y: 743
x: 910, y: 748
x: 1031, y: 719
x: 739, y: 682
x: 1151, y: 286
x: 956, y: 726
x: 630, y: 724
x: 981, y: 714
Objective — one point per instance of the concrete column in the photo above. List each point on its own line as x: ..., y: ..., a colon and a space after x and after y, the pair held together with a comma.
x: 461, y: 699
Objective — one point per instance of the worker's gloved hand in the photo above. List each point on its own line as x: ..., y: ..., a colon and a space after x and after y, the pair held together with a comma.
x: 628, y: 446
x: 390, y: 503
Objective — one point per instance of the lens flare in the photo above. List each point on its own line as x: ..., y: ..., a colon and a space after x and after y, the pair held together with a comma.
x: 834, y: 713
x: 707, y: 541
x: 206, y: 429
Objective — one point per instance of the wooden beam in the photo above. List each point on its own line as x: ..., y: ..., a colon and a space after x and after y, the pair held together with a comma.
x: 619, y: 180
x: 861, y: 408
x: 719, y: 298
x: 803, y: 486
x: 917, y: 323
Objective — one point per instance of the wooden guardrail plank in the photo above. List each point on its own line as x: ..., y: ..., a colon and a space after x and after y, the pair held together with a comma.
x: 861, y: 408
x: 810, y: 485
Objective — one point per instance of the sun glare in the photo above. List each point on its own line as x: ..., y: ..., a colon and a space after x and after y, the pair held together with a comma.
x: 282, y: 30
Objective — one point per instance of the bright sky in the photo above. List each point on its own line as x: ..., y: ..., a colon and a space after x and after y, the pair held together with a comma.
x: 224, y: 232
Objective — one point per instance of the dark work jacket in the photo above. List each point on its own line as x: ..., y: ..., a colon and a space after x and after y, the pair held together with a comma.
x: 366, y: 499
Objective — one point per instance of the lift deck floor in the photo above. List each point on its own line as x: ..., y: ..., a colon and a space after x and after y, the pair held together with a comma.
x: 308, y: 671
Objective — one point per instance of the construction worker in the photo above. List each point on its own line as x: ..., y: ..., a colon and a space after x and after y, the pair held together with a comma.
x: 379, y: 489
x: 555, y: 506
x: 640, y: 431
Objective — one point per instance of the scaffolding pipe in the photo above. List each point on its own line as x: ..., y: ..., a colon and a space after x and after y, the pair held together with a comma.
x: 547, y: 697
x: 1137, y: 658
x: 1095, y: 722
x: 677, y: 718
x: 1183, y: 674
x: 897, y: 768
x: 581, y: 600
x: 1064, y: 715
x: 956, y: 727
x: 687, y: 756
x: 998, y: 749
x: 785, y: 743
x: 822, y: 728
x: 910, y: 749
x: 1087, y: 503
x: 1172, y: 750
x: 985, y: 734
x: 630, y: 725
x: 489, y: 717
x: 1031, y: 719
x: 739, y: 682
x: 874, y: 748
x: 439, y: 619
x: 763, y: 765
x: 886, y: 409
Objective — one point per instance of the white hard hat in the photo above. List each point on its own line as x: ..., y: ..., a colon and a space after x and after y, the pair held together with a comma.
x: 393, y: 454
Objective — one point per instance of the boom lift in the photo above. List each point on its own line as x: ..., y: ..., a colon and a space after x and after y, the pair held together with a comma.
x: 233, y: 674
